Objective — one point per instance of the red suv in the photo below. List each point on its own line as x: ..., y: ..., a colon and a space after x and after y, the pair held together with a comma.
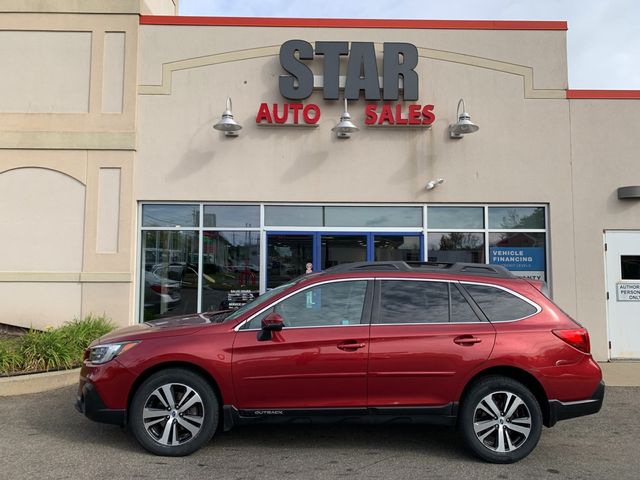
x: 455, y: 344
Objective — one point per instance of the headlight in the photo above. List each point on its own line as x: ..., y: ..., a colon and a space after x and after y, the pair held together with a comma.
x: 104, y: 353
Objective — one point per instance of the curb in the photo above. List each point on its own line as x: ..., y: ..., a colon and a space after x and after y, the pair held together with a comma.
x: 37, y: 382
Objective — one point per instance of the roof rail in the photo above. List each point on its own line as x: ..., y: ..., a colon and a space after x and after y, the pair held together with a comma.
x: 480, y: 269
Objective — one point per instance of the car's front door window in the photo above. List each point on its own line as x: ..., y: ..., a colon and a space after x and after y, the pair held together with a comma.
x: 329, y: 304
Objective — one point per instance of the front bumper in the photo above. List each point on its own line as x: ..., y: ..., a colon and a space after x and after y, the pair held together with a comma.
x: 89, y: 403
x: 563, y: 410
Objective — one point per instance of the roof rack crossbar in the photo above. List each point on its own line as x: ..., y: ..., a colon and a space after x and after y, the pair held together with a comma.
x: 482, y: 269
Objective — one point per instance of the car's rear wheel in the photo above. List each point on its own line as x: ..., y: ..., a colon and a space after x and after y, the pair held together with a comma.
x: 500, y: 420
x: 174, y: 412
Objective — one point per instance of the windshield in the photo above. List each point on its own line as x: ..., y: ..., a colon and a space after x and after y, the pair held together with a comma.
x: 261, y: 299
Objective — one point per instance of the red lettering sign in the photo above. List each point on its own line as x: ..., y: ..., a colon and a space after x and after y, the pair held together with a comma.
x: 280, y: 114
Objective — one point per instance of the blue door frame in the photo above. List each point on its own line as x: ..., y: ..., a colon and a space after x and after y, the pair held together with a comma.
x: 317, y: 241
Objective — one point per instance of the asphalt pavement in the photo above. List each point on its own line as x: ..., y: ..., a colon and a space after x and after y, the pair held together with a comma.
x: 42, y: 436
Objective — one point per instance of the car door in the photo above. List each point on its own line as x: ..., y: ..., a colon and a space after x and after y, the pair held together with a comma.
x: 319, y: 358
x: 425, y: 337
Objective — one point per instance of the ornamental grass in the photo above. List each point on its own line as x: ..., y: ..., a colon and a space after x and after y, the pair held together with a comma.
x: 52, y: 349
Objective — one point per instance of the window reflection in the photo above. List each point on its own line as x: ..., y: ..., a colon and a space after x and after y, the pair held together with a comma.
x: 455, y: 217
x: 170, y: 276
x: 456, y: 247
x: 414, y: 302
x: 170, y: 215
x: 231, y: 216
x: 230, y: 269
x: 373, y: 216
x: 516, y: 217
x: 397, y: 247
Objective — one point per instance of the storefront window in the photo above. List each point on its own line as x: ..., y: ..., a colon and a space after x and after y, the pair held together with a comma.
x: 232, y: 216
x: 456, y: 247
x: 341, y: 216
x: 516, y: 217
x: 293, y: 216
x: 170, y: 215
x: 339, y: 249
x: 170, y: 273
x: 237, y: 243
x: 455, y: 217
x: 230, y: 269
x: 397, y: 247
x: 522, y: 252
x: 373, y: 216
x: 287, y: 257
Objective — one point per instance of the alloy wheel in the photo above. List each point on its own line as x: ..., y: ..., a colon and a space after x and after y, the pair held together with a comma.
x: 173, y: 414
x: 502, y: 421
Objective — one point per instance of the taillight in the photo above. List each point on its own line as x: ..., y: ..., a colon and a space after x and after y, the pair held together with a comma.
x: 159, y: 288
x: 577, y: 338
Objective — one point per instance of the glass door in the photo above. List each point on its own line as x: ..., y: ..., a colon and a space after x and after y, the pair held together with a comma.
x: 338, y: 248
x: 289, y: 253
x: 287, y: 256
x: 406, y: 247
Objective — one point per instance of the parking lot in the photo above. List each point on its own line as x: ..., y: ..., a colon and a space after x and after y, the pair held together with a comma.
x: 44, y: 437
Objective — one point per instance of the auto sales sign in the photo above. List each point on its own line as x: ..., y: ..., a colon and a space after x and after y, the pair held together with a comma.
x: 362, y: 78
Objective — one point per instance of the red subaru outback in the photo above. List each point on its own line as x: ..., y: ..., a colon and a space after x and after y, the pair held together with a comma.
x: 455, y: 344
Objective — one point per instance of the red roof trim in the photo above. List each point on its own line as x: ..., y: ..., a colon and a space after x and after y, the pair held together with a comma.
x: 353, y: 23
x: 604, y: 94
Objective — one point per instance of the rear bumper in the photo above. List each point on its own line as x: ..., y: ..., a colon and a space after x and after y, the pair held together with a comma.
x: 563, y: 410
x: 89, y: 403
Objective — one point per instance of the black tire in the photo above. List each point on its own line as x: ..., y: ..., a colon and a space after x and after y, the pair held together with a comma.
x: 501, y: 438
x: 179, y: 431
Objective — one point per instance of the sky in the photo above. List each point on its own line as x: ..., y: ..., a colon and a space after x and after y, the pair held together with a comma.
x: 603, y: 40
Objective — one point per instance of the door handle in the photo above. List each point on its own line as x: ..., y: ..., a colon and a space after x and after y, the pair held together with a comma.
x: 350, y: 345
x: 466, y: 340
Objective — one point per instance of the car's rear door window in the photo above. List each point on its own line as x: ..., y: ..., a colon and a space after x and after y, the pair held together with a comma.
x: 461, y: 311
x: 499, y: 305
x: 414, y: 301
x: 406, y: 301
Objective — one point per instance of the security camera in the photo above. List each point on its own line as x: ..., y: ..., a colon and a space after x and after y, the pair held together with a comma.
x: 431, y: 184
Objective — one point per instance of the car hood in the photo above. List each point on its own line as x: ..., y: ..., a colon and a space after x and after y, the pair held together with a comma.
x: 162, y: 327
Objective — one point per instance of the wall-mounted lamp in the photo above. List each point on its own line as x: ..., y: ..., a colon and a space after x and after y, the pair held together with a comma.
x: 431, y: 184
x: 345, y: 126
x: 227, y: 124
x: 464, y: 125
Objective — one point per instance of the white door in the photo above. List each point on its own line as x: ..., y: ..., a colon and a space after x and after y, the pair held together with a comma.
x: 622, y: 257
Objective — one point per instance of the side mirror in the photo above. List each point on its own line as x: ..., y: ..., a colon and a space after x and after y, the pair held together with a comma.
x: 271, y: 323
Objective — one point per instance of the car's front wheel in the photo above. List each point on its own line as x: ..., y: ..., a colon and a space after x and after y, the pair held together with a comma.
x: 174, y: 412
x: 500, y: 420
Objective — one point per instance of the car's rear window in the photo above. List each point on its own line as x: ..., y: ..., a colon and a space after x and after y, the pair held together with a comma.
x: 499, y: 305
x: 412, y: 301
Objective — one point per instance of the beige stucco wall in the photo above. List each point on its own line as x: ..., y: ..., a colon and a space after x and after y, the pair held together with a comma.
x: 180, y: 157
x: 533, y: 146
x: 67, y: 134
x: 605, y: 146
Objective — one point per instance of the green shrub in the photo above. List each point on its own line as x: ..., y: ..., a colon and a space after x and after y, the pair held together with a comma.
x: 10, y: 358
x: 46, y: 350
x: 52, y: 349
x: 80, y: 333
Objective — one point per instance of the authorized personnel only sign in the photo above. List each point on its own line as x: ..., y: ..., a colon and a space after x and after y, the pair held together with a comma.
x: 628, y: 292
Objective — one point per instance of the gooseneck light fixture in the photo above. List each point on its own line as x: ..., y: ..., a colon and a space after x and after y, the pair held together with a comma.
x: 345, y: 126
x: 227, y: 124
x: 464, y: 125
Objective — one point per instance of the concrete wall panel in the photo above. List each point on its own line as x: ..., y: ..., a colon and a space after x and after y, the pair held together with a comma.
x: 39, y: 305
x: 30, y: 57
x: 42, y: 218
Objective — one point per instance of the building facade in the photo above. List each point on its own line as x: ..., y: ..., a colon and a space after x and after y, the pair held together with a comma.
x: 118, y: 196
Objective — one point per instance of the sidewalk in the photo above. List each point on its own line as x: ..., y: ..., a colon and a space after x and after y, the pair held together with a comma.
x: 621, y: 373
